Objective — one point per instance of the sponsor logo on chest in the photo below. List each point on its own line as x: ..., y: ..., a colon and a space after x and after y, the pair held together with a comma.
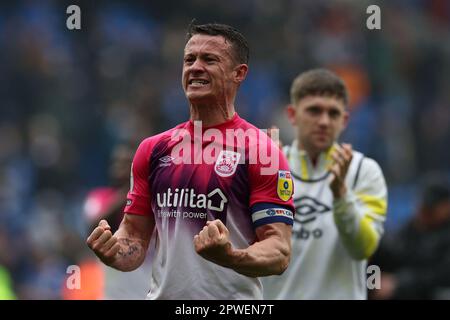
x: 188, y: 198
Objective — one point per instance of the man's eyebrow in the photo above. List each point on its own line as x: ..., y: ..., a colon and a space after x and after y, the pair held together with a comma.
x: 313, y: 106
x: 332, y: 108
x: 208, y: 54
x: 203, y: 55
x: 188, y: 55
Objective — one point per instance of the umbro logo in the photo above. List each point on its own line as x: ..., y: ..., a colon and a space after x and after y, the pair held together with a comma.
x: 166, y: 161
x: 309, y: 209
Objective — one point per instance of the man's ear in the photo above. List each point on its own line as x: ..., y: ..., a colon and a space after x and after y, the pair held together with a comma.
x: 291, y: 112
x: 241, y: 71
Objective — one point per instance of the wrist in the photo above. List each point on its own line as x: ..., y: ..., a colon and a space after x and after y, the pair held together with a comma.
x: 109, y: 261
x: 223, y: 255
x: 341, y: 204
x: 340, y: 192
x: 231, y: 257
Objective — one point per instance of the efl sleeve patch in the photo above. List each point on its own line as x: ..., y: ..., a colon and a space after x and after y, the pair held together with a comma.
x: 284, y: 185
x: 265, y: 213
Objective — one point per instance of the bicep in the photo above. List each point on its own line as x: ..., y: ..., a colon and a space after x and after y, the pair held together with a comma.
x: 371, y: 180
x: 137, y: 227
x: 371, y: 194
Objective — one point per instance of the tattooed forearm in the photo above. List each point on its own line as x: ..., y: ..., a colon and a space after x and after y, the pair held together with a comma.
x: 128, y: 247
x: 131, y: 254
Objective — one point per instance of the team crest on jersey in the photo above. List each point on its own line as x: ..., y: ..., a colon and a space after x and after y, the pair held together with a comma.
x: 226, y: 163
x: 284, y: 186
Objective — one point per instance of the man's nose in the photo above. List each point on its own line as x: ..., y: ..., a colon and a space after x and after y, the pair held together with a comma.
x: 196, y: 66
x: 324, y: 119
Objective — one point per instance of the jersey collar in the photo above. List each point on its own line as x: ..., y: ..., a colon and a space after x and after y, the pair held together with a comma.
x: 301, y: 164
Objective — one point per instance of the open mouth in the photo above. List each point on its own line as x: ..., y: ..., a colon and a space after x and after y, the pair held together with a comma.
x: 198, y: 82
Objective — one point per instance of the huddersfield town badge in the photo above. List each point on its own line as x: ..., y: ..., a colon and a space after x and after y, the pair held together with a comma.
x: 226, y: 163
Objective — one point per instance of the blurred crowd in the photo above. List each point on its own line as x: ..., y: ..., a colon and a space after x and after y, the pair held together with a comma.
x: 68, y: 98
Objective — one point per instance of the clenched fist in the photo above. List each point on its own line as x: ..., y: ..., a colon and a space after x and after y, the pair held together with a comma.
x: 213, y: 242
x: 103, y: 243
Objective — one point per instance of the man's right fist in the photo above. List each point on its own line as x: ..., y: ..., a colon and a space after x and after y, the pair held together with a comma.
x: 103, y: 243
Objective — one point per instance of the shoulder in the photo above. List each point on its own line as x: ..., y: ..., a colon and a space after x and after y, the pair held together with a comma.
x: 148, y: 144
x: 369, y: 166
x: 244, y: 124
x: 286, y: 150
x: 260, y: 148
x: 256, y: 135
x: 363, y: 164
x: 366, y: 171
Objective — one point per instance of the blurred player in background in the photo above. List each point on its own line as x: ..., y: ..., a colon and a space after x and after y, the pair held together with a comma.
x: 108, y: 203
x: 97, y: 280
x: 218, y: 226
x: 340, y: 198
x: 415, y: 261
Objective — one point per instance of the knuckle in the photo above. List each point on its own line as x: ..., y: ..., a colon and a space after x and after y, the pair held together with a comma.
x: 198, y: 248
x: 109, y: 254
x: 114, y: 249
x: 103, y: 251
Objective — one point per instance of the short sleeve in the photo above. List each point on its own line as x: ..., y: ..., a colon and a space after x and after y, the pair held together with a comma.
x: 138, y: 198
x: 271, y: 187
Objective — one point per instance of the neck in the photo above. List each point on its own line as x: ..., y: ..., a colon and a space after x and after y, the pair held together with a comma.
x: 312, y: 152
x: 211, y: 115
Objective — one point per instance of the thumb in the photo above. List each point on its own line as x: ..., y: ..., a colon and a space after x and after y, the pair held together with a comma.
x: 213, y: 231
x: 104, y: 224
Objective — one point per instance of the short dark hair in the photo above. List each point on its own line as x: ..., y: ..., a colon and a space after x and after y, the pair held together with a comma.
x: 238, y: 41
x: 318, y: 82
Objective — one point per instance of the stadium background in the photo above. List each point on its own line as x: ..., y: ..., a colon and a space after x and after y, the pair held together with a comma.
x: 68, y: 97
